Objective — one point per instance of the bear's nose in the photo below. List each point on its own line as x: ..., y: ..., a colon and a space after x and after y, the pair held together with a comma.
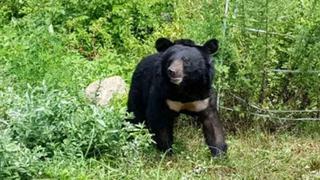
x: 172, y: 73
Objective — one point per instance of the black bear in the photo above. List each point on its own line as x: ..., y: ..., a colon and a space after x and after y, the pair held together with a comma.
x: 177, y: 79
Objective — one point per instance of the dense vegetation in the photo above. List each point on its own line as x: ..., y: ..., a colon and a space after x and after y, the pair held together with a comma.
x: 267, y: 77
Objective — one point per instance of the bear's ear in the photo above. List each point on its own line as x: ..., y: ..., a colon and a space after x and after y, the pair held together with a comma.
x: 163, y: 44
x: 211, y: 46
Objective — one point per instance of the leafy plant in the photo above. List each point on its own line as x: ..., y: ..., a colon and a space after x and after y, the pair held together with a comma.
x: 59, y: 124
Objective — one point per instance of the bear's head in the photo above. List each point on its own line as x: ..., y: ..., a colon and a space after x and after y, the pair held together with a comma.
x: 184, y: 62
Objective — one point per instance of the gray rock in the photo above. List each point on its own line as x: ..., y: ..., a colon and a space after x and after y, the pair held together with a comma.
x: 101, y: 91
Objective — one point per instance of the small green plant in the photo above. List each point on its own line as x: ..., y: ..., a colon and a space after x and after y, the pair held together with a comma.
x: 17, y: 161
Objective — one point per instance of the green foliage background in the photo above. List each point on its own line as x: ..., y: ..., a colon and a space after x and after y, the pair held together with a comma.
x: 51, y: 50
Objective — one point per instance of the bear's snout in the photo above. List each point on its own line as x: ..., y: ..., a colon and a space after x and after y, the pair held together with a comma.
x: 175, y: 71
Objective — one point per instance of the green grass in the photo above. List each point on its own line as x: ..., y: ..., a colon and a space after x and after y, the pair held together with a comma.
x: 251, y: 155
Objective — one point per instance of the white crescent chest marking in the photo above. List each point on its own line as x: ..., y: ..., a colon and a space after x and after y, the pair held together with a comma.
x: 194, y: 106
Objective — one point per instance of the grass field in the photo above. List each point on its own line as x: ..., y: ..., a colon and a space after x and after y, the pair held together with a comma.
x: 252, y: 155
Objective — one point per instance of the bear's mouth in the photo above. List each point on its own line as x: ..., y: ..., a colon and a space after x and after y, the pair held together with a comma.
x: 176, y: 80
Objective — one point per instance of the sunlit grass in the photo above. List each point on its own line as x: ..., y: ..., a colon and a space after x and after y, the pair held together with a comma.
x: 251, y: 155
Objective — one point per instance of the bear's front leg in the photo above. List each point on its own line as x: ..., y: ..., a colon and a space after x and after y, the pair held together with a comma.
x: 213, y: 130
x: 163, y: 138
x: 160, y: 122
x: 159, y: 118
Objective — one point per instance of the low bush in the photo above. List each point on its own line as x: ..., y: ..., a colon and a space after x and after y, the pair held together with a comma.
x: 45, y: 123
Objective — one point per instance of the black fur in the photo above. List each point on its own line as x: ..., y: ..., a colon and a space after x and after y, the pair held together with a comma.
x: 151, y: 87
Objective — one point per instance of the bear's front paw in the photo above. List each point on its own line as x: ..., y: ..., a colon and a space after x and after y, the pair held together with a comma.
x: 168, y: 152
x: 219, y: 150
x: 165, y: 148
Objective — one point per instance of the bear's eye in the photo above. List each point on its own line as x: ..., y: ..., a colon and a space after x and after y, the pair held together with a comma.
x: 187, y: 63
x: 169, y: 62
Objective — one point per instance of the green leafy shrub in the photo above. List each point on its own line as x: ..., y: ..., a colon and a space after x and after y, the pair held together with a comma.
x: 57, y: 121
x: 94, y: 27
x: 53, y: 40
x: 62, y: 125
x: 17, y: 161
